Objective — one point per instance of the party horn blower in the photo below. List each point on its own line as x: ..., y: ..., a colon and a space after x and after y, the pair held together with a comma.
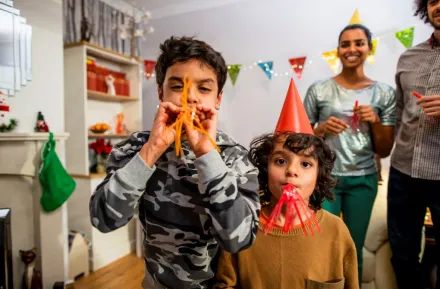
x: 355, y: 119
x: 295, y: 206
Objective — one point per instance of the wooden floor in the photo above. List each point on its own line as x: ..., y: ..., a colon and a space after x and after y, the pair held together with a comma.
x: 126, y: 273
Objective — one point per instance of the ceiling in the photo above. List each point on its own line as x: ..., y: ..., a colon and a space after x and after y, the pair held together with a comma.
x: 165, y: 8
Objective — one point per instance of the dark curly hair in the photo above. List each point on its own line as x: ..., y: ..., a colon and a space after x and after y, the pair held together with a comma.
x: 262, y: 147
x: 421, y: 10
x: 182, y: 49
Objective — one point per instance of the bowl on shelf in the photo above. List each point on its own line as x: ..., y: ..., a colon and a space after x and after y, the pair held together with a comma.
x: 99, y: 128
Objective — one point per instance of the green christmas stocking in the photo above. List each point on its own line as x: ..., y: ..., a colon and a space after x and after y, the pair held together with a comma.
x: 57, y: 184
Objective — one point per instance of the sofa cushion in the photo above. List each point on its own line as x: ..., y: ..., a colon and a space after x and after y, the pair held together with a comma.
x: 370, y: 285
x: 385, y: 277
x: 377, y: 233
x: 369, y: 266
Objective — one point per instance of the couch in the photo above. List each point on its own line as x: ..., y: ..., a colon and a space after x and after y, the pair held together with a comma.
x: 378, y: 271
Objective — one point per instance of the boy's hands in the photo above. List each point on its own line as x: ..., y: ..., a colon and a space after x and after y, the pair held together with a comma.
x: 160, y: 136
x: 199, y: 142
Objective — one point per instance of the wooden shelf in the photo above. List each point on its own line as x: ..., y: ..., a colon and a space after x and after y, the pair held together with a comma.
x: 96, y: 50
x: 107, y: 135
x: 101, y: 96
x: 90, y: 176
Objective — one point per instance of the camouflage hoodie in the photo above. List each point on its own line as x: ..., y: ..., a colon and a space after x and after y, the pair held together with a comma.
x: 188, y: 207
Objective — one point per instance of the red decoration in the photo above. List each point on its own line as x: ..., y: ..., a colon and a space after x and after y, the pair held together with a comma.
x: 295, y: 204
x: 298, y: 65
x: 41, y: 125
x: 100, y: 147
x: 149, y: 66
x: 4, y: 107
x: 293, y: 116
x: 355, y: 120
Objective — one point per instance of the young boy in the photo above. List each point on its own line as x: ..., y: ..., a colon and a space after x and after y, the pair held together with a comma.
x: 291, y: 259
x: 188, y: 206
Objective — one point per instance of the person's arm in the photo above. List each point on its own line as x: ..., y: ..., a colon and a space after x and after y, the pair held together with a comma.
x: 351, y: 268
x: 114, y: 201
x: 230, y: 190
x: 227, y: 272
x: 311, y: 107
x: 399, y: 100
x: 383, y: 128
x: 129, y: 167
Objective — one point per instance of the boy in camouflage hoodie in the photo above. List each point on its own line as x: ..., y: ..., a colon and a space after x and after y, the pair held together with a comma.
x: 188, y: 206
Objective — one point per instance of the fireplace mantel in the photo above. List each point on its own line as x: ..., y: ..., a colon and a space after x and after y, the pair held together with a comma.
x: 33, y: 136
x: 21, y: 152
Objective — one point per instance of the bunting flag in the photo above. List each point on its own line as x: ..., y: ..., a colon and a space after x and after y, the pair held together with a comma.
x: 298, y: 65
x: 332, y: 59
x: 149, y: 66
x: 356, y: 19
x: 267, y: 68
x: 406, y: 36
x: 370, y: 58
x: 233, y: 71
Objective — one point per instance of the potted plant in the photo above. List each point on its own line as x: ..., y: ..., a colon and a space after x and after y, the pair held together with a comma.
x: 102, y: 151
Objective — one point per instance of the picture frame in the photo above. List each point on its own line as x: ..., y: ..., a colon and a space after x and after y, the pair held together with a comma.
x: 7, y: 60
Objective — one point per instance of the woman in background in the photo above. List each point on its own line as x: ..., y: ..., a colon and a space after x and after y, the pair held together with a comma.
x: 356, y: 116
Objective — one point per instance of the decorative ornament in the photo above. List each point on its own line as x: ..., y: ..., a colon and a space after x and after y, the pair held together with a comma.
x: 406, y: 37
x: 6, y: 123
x: 109, y: 80
x: 355, y: 19
x: 298, y: 65
x: 370, y: 58
x: 41, y: 125
x: 233, y: 71
x: 331, y: 57
x: 149, y: 66
x: 267, y: 68
x: 134, y: 28
x: 120, y: 123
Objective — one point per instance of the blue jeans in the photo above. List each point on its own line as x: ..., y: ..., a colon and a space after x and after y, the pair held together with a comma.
x: 408, y: 199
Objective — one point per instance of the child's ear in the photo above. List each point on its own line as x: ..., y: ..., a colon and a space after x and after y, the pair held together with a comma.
x: 160, y: 93
x: 219, y: 100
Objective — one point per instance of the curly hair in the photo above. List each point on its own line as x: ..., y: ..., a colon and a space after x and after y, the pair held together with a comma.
x: 262, y: 147
x: 175, y: 49
x: 421, y: 10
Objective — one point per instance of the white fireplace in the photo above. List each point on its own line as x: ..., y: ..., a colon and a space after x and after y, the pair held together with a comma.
x: 20, y: 190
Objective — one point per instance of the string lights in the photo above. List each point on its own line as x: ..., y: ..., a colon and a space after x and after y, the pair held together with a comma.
x: 329, y: 56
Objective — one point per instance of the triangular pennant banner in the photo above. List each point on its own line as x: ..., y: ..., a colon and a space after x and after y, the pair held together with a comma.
x: 370, y: 57
x: 149, y: 66
x: 332, y: 59
x: 298, y: 65
x: 355, y: 19
x: 233, y: 71
x: 267, y: 68
x: 406, y: 36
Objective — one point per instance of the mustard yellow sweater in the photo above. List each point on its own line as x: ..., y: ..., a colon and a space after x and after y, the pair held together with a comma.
x: 292, y: 260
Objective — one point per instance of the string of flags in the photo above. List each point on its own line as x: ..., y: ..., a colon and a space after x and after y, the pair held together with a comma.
x: 405, y: 36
